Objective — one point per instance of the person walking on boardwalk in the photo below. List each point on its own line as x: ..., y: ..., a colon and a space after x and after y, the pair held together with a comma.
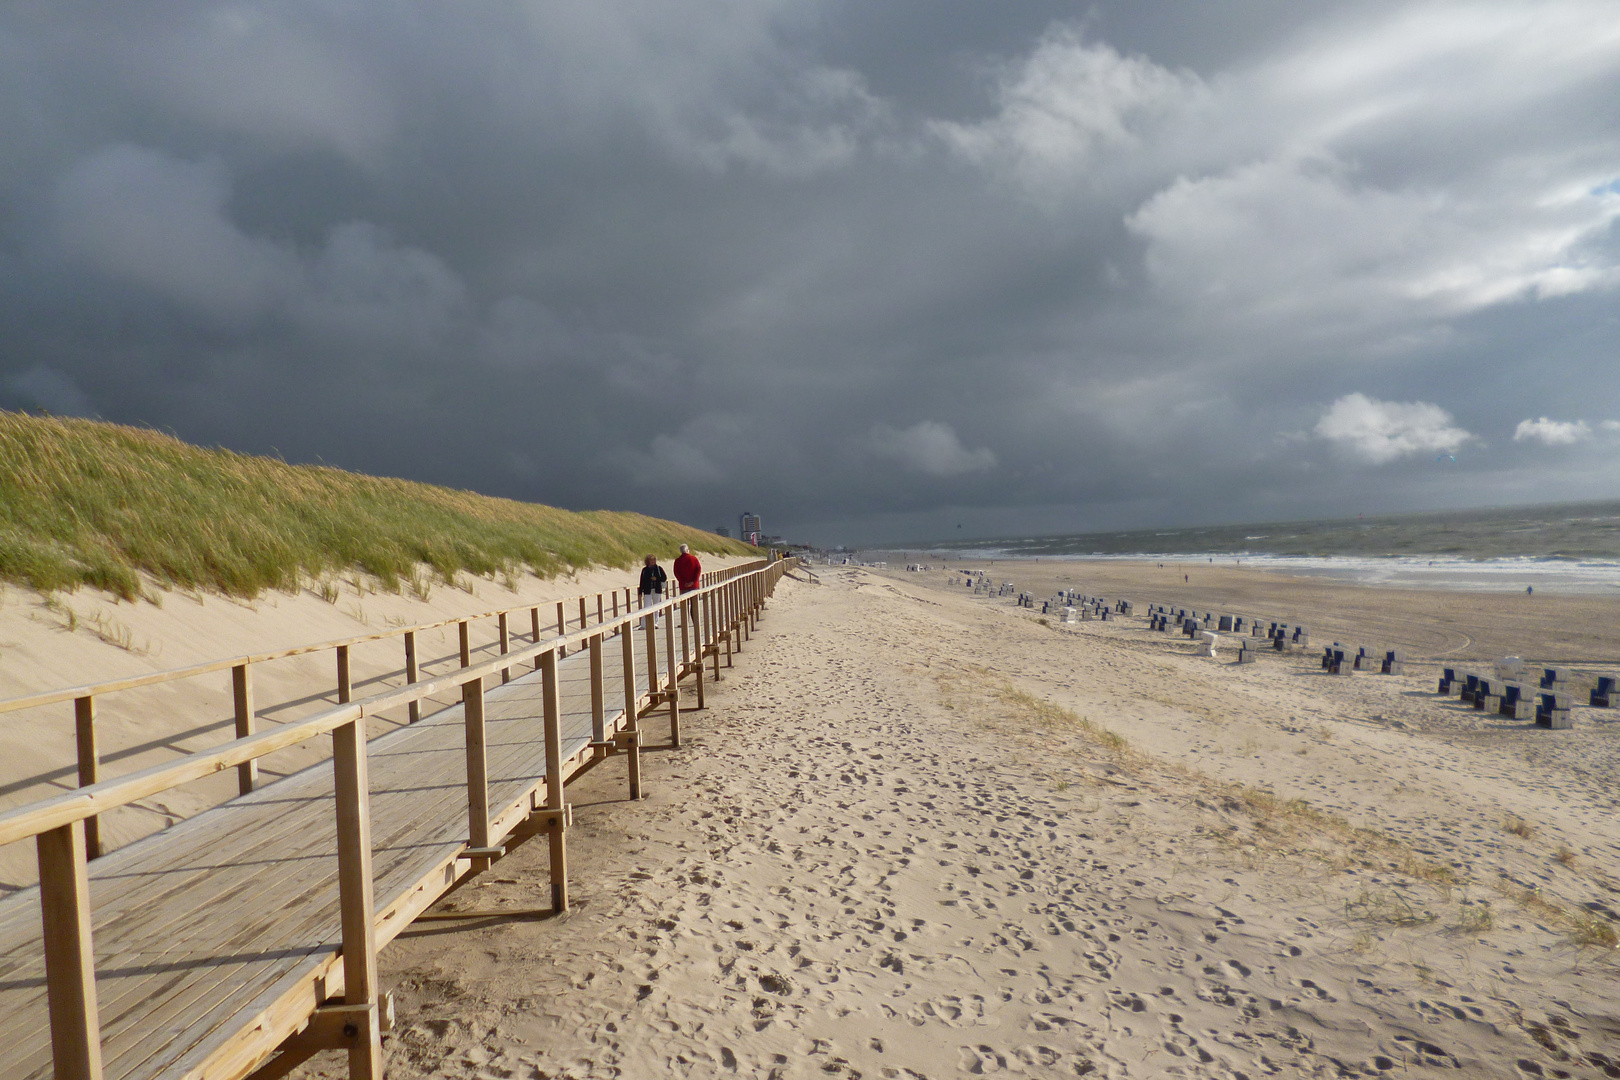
x: 653, y: 578
x: 688, y: 571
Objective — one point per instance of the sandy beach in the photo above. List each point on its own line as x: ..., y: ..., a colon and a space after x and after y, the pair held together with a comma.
x: 918, y: 834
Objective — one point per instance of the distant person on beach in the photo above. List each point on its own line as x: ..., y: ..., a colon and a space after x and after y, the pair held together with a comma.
x: 1529, y: 590
x: 652, y: 582
x: 688, y: 571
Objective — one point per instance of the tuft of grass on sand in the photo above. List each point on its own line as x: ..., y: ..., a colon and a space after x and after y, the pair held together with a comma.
x: 88, y: 503
x: 1519, y: 827
x: 1057, y: 716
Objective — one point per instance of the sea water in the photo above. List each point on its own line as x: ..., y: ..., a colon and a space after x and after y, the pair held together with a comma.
x: 1568, y: 548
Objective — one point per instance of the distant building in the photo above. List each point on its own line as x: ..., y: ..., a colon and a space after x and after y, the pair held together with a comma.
x: 721, y: 530
x: 748, y: 527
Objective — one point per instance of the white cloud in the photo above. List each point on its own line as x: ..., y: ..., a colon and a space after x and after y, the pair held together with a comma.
x: 931, y: 448
x: 1069, y: 102
x: 1382, y: 431
x: 1552, y: 432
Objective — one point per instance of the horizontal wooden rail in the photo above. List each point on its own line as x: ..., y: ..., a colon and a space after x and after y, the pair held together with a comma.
x: 81, y: 803
x: 52, y: 697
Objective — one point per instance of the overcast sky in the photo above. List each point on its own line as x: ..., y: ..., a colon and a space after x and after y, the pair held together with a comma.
x: 872, y: 270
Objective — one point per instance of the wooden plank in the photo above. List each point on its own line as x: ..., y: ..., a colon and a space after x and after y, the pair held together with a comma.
x: 70, y: 975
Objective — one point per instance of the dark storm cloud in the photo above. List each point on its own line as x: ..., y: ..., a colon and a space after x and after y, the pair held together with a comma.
x: 871, y: 270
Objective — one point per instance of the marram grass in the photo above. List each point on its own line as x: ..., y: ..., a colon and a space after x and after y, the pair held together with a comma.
x: 88, y: 503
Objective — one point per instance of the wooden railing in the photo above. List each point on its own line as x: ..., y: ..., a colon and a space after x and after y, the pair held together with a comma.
x: 713, y: 617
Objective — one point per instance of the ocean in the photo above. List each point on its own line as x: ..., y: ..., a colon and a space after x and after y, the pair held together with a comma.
x: 1572, y: 547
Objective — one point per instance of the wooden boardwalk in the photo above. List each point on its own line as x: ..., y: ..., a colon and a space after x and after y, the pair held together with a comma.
x: 217, y: 939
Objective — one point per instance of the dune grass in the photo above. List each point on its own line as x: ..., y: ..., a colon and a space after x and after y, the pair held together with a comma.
x: 89, y: 503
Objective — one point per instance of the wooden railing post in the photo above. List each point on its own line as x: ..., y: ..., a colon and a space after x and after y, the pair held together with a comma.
x: 582, y: 616
x: 352, y: 787
x: 712, y: 602
x: 695, y: 618
x: 472, y: 707
x: 733, y: 632
x: 84, y: 734
x: 70, y: 973
x: 650, y: 623
x: 534, y: 619
x: 506, y: 647
x: 552, y: 707
x: 601, y: 613
x: 464, y: 631
x: 345, y: 679
x: 412, y: 672
x: 674, y: 690
x: 633, y: 751
x: 562, y: 628
x: 247, y: 773
x: 598, y: 694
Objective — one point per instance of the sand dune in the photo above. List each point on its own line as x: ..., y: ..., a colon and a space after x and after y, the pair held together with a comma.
x: 921, y: 835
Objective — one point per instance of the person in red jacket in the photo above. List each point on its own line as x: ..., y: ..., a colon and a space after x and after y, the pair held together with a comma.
x: 688, y: 571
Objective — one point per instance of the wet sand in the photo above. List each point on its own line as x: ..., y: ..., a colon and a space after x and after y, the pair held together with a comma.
x: 1431, y: 623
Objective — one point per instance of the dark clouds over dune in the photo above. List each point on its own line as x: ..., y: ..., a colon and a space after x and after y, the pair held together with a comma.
x: 869, y: 269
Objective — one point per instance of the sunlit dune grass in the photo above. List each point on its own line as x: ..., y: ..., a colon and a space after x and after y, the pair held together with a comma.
x: 89, y: 503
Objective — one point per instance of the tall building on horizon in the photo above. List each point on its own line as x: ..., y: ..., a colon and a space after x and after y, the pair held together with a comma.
x: 748, y: 527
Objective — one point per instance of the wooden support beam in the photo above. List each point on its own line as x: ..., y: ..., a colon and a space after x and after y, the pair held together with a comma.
x: 506, y: 647
x: 562, y: 627
x: 352, y: 787
x: 601, y: 612
x: 627, y: 642
x: 247, y: 773
x: 472, y: 706
x: 413, y: 672
x: 330, y: 1027
x: 534, y: 618
x: 345, y: 680
x: 465, y: 633
x: 582, y: 616
x: 70, y: 974
x: 84, y: 732
x: 552, y: 708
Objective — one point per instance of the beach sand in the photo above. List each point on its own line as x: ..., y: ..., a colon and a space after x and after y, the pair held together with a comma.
x: 918, y: 834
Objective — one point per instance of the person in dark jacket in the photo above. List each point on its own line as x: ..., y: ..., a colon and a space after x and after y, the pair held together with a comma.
x: 653, y: 578
x: 688, y: 571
